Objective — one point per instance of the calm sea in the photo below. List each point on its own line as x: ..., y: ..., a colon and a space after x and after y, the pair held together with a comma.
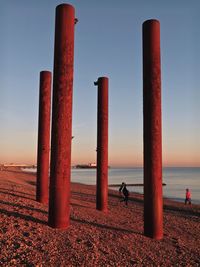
x: 176, y: 179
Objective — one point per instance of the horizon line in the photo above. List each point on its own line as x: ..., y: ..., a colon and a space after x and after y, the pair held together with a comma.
x: 110, y: 166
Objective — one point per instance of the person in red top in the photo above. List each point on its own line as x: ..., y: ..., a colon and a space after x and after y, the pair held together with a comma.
x: 187, y: 196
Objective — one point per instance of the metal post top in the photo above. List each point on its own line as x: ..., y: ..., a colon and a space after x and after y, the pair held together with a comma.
x: 150, y: 22
x: 64, y: 5
x: 45, y: 72
x: 66, y: 8
x: 100, y: 79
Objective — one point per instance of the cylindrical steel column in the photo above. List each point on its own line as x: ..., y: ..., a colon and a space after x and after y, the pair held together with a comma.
x: 153, y: 201
x: 60, y: 171
x: 42, y: 190
x: 102, y: 145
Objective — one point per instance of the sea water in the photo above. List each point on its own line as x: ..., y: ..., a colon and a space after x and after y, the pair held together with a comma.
x: 176, y: 179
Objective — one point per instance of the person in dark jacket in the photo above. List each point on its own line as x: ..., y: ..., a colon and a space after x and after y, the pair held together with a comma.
x: 121, y: 187
x: 125, y: 192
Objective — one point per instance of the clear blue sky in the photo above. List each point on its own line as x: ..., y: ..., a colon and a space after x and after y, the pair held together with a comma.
x: 108, y: 42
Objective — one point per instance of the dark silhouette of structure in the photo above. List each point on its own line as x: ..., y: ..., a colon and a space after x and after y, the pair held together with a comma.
x: 153, y: 201
x: 60, y: 170
x: 102, y: 145
x: 42, y: 190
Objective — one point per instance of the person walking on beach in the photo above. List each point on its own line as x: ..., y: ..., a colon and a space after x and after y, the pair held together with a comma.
x: 125, y: 192
x: 121, y: 187
x: 188, y: 196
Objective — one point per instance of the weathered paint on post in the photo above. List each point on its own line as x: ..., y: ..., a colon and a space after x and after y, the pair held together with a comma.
x: 102, y: 145
x: 60, y: 171
x: 153, y: 200
x: 42, y: 188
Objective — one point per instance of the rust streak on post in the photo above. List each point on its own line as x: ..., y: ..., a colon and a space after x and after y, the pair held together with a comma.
x: 42, y: 190
x: 102, y: 145
x: 59, y: 204
x: 153, y: 201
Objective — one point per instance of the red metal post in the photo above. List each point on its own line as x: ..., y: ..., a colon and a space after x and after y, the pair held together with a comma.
x: 60, y: 171
x: 42, y: 190
x: 153, y: 201
x: 102, y: 145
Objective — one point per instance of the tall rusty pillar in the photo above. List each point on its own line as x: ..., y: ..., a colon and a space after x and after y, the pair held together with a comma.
x: 42, y: 190
x: 60, y: 170
x: 153, y: 200
x: 102, y: 145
